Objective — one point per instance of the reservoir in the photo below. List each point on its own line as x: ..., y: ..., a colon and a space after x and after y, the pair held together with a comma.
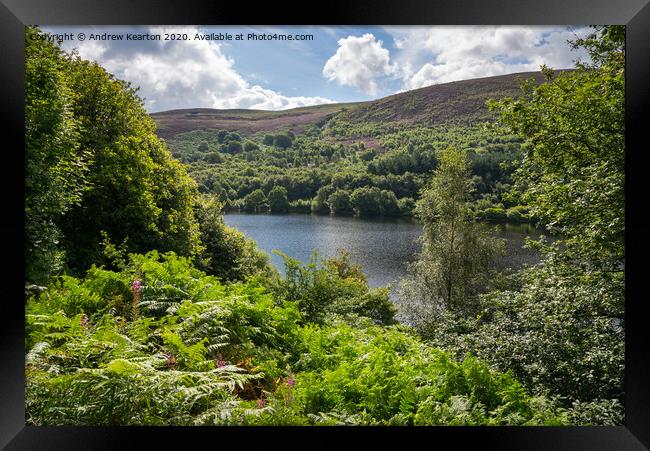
x: 382, y: 246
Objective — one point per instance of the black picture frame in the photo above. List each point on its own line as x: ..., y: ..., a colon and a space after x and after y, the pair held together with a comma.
x: 14, y: 14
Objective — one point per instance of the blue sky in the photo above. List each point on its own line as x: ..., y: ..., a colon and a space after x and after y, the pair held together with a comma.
x: 340, y: 64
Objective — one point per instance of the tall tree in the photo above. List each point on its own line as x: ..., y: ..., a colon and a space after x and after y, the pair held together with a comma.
x: 456, y: 251
x: 94, y: 166
x: 140, y: 195
x: 56, y: 165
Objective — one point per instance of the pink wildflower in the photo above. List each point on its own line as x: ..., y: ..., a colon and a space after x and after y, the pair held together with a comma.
x: 136, y: 288
x: 291, y: 381
x: 220, y: 363
x: 261, y: 402
x: 171, y: 361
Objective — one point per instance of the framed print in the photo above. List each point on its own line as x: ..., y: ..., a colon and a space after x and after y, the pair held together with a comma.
x: 367, y: 220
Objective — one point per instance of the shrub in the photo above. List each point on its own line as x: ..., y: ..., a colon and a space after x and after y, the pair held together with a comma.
x: 517, y: 214
x: 494, y: 214
x: 300, y: 206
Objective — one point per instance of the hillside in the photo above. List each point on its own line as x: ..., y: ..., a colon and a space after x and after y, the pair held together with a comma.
x: 247, y: 122
x: 460, y: 101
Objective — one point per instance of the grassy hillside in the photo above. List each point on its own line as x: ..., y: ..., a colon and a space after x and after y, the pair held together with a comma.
x: 460, y: 101
x: 246, y: 122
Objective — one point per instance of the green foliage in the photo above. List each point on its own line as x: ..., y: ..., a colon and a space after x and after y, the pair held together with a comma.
x: 605, y: 45
x: 374, y: 201
x: 201, y: 352
x: 227, y: 254
x: 268, y: 140
x: 108, y: 371
x: 315, y: 166
x: 337, y: 287
x: 339, y: 203
x: 234, y: 147
x: 300, y: 206
x: 517, y: 214
x: 138, y: 190
x: 495, y: 214
x: 559, y: 326
x: 250, y: 146
x: 213, y: 157
x: 558, y: 331
x: 56, y: 166
x: 278, y: 202
x: 282, y: 141
x: 95, y: 166
x: 319, y: 204
x: 573, y: 176
x: 255, y: 202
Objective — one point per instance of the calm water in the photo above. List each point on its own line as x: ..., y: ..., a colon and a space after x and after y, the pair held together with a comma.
x: 382, y: 246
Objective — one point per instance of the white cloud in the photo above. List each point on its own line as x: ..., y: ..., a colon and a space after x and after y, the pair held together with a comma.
x: 359, y: 62
x: 189, y: 74
x: 91, y: 50
x: 445, y: 53
x: 186, y: 74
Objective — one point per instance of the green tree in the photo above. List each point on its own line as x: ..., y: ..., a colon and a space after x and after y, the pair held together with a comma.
x: 457, y: 253
x: 339, y: 203
x: 255, y: 201
x: 234, y: 147
x: 388, y: 203
x: 213, y: 157
x: 56, y: 165
x: 267, y: 140
x: 319, y: 203
x: 282, y: 141
x: 139, y: 193
x: 250, y: 146
x: 573, y: 176
x: 278, y: 202
x: 366, y: 201
x: 232, y: 136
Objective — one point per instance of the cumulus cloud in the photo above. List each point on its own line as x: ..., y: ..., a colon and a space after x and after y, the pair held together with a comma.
x: 199, y: 73
x: 186, y: 74
x: 359, y: 62
x: 443, y: 54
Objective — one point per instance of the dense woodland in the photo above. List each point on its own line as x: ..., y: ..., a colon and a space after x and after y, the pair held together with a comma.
x: 351, y: 164
x: 143, y: 308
